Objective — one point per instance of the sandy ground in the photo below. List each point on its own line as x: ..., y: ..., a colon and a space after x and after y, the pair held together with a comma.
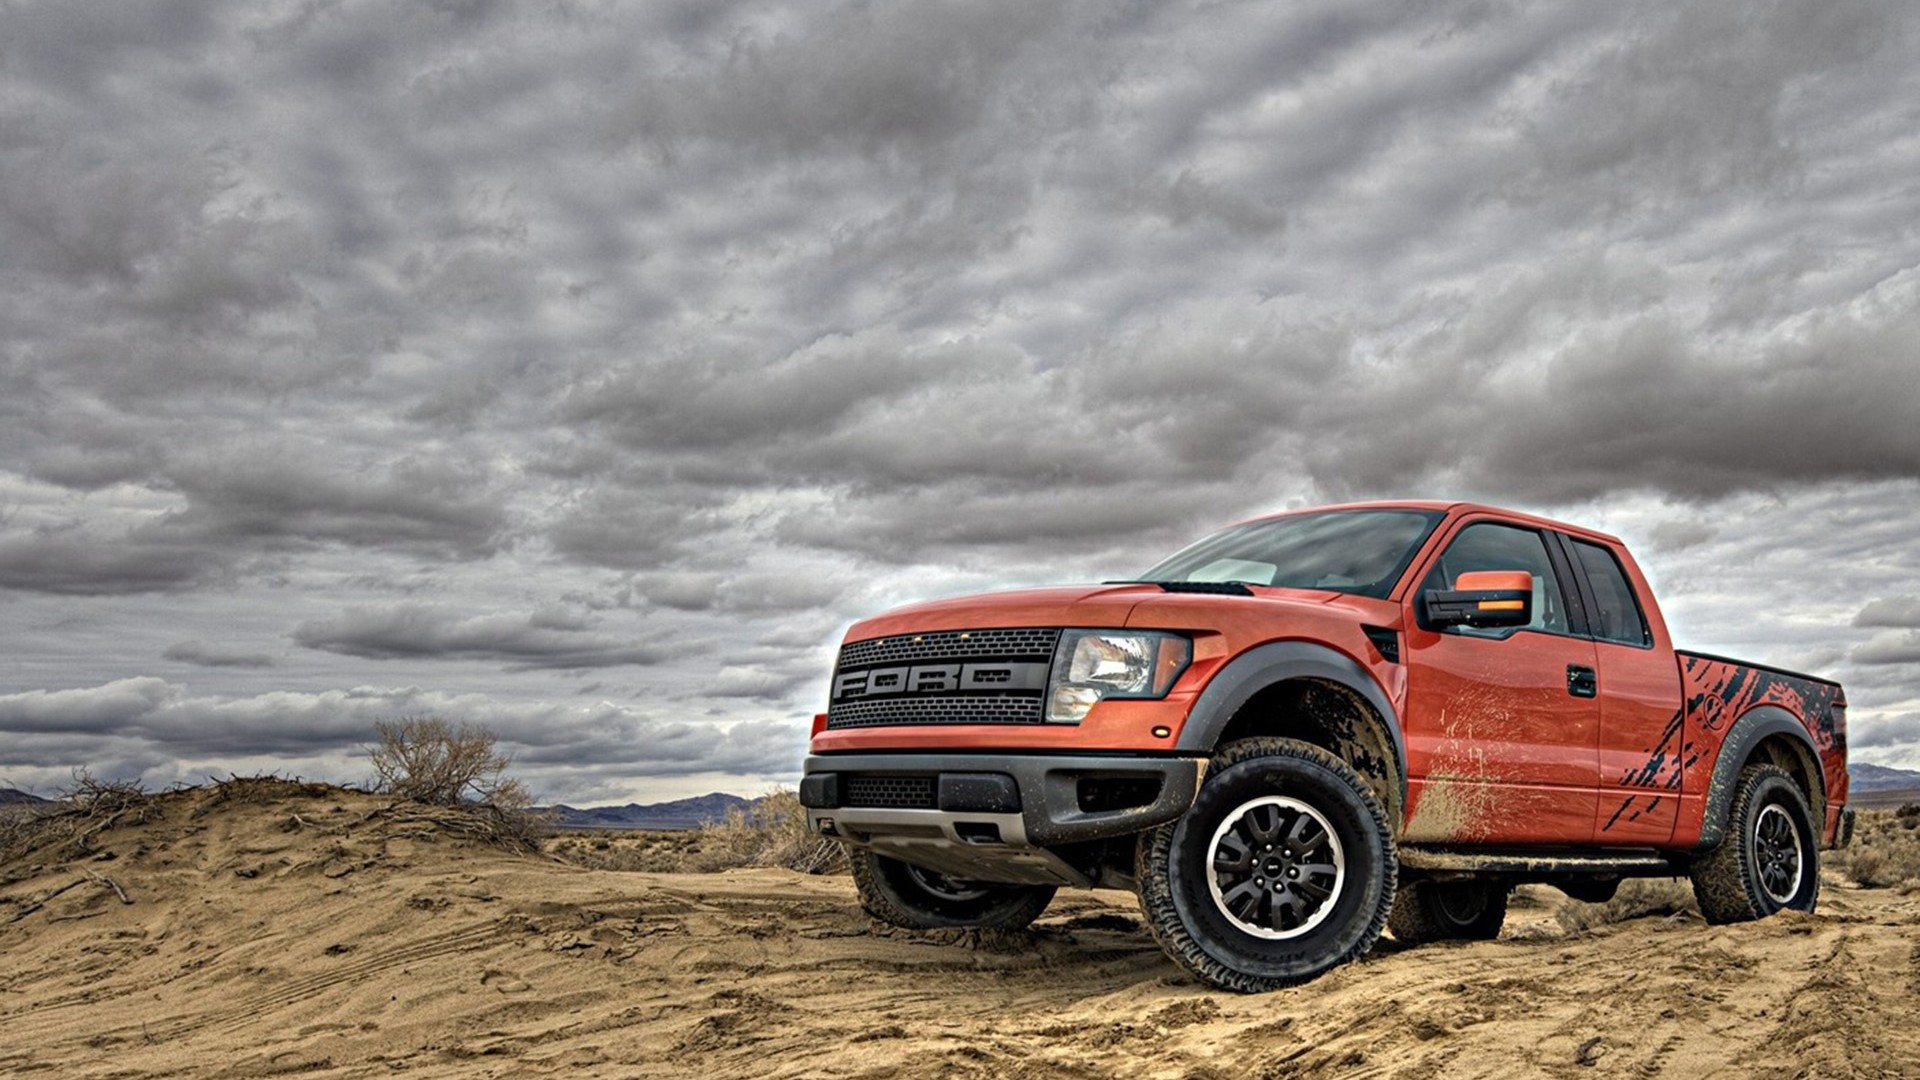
x: 291, y: 933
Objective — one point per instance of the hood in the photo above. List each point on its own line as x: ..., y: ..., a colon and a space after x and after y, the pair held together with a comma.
x: 1132, y: 604
x: 1067, y: 605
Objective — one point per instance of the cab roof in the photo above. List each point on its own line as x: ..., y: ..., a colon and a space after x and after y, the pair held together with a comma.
x: 1457, y: 508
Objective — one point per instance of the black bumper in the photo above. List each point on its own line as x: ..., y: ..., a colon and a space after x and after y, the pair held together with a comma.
x: 1026, y: 800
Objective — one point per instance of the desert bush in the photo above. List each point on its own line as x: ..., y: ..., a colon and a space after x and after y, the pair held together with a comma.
x: 642, y: 850
x: 1885, y: 851
x: 1637, y: 897
x: 427, y: 759
x: 772, y: 831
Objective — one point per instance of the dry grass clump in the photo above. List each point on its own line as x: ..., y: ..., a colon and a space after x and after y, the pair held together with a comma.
x: 1885, y: 852
x: 646, y: 851
x: 771, y: 832
x: 1637, y: 897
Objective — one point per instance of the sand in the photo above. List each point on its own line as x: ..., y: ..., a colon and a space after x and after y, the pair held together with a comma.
x: 296, y: 930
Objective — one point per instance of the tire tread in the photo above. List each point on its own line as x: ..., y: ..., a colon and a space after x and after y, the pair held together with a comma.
x: 1156, y: 889
x: 1017, y: 905
x: 1724, y: 882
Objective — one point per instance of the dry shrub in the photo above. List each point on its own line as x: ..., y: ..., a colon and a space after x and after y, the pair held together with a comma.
x: 82, y: 812
x: 1885, y: 852
x: 1637, y: 897
x: 772, y: 831
x: 456, y: 767
x: 429, y: 760
x: 266, y: 787
x: 642, y: 850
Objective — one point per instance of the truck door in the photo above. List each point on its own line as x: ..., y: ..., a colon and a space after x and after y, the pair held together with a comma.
x: 1501, y: 726
x: 1643, y: 738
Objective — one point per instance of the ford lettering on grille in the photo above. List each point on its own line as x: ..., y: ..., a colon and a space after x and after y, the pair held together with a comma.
x: 948, y: 677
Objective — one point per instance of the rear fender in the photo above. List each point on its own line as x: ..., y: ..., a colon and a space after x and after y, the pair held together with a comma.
x: 1754, y: 727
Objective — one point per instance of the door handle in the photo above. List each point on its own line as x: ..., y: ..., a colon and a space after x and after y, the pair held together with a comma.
x: 1582, y: 681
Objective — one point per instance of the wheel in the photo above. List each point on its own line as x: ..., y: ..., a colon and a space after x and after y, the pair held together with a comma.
x: 1283, y: 868
x: 907, y: 895
x: 1770, y: 856
x: 1470, y: 910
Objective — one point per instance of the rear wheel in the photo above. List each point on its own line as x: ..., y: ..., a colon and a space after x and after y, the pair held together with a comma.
x: 1283, y: 868
x: 911, y: 896
x: 1769, y: 859
x: 1469, y: 910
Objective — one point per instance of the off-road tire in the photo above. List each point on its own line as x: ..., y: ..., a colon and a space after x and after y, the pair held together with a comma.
x: 1208, y: 880
x: 1769, y: 859
x: 1468, y: 910
x: 905, y: 895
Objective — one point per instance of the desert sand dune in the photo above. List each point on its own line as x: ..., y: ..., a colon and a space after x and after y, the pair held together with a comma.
x: 282, y: 929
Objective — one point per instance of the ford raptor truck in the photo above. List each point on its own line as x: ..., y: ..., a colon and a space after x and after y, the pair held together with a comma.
x: 1311, y: 726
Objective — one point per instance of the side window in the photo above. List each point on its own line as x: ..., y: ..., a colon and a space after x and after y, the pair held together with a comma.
x: 1488, y: 546
x: 1619, y: 617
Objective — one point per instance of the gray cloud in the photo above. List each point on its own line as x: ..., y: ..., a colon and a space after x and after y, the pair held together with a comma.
x: 70, y: 561
x: 201, y: 654
x: 433, y: 508
x: 1892, y: 647
x: 550, y: 638
x: 1896, y: 611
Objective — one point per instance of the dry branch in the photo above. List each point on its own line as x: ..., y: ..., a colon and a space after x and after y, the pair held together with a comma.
x: 42, y: 902
x: 111, y: 884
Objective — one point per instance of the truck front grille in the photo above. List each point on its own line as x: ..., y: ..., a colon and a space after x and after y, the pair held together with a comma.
x: 945, y: 677
x: 1033, y: 644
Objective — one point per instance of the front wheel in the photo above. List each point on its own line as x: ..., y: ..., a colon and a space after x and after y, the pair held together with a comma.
x: 907, y: 895
x: 1769, y: 859
x: 1283, y: 868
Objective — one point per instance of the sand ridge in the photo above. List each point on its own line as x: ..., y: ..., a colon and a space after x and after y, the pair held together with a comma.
x: 305, y: 930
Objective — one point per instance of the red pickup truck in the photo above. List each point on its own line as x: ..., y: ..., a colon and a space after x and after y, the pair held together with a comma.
x: 1313, y: 726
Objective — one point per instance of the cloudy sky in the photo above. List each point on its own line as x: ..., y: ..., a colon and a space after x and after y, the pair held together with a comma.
x: 584, y: 369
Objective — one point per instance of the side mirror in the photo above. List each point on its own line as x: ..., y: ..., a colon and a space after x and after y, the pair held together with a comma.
x: 1486, y: 598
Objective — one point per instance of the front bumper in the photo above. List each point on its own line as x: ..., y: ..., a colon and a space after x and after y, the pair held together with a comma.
x: 993, y: 817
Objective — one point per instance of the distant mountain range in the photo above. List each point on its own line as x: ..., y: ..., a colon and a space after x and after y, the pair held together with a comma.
x: 678, y: 814
x: 1881, y: 778
x: 1876, y: 787
x: 10, y: 797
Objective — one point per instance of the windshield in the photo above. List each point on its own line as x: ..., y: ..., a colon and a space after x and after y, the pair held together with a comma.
x: 1349, y: 551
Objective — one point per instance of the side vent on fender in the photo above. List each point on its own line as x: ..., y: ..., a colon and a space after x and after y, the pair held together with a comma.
x: 1386, y: 640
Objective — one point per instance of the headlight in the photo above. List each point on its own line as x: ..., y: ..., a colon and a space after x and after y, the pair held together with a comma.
x: 1091, y: 665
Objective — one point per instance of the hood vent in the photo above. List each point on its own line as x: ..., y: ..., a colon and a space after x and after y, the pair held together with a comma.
x: 1213, y: 588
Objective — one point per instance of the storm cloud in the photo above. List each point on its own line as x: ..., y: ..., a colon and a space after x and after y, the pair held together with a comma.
x: 594, y: 365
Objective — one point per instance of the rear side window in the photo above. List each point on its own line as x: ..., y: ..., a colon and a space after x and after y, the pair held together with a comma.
x: 1618, y: 618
